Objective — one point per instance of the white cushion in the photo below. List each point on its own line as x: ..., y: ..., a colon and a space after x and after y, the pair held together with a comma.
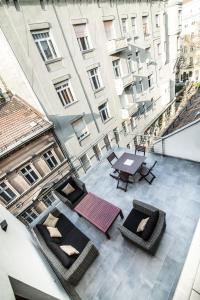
x: 50, y: 221
x: 68, y: 189
x: 69, y: 250
x: 142, y: 225
x: 54, y: 232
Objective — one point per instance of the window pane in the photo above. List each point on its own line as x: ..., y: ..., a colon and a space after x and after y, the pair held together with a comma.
x: 46, y: 49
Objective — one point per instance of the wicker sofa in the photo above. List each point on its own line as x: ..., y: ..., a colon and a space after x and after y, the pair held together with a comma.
x: 68, y: 269
x: 72, y: 199
x: 140, y: 211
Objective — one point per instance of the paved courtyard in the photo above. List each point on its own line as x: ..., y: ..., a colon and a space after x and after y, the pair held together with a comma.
x: 122, y: 270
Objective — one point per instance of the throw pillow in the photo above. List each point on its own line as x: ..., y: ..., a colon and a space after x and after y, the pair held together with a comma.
x: 69, y: 250
x: 54, y: 232
x: 68, y: 189
x: 142, y: 225
x: 50, y: 221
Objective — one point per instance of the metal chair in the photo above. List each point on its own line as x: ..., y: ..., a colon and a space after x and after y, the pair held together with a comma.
x: 147, y: 172
x: 124, y: 178
x: 140, y: 148
x: 111, y: 157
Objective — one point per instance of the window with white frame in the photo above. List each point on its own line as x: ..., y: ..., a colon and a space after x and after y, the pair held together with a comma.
x: 45, y: 44
x: 6, y: 193
x: 140, y: 86
x: 97, y: 151
x: 85, y: 161
x: 104, y: 112
x: 50, y: 159
x: 125, y: 127
x: 109, y: 29
x: 48, y: 199
x: 65, y: 92
x: 116, y: 68
x: 29, y: 174
x: 150, y: 81
x: 82, y: 37
x: 95, y: 79
x: 134, y: 26
x: 137, y: 56
x: 124, y: 26
x: 29, y: 215
x: 80, y: 129
x: 157, y: 17
x: 145, y: 24
x: 107, y: 142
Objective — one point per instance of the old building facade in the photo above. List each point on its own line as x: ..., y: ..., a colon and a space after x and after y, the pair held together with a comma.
x: 31, y: 160
x: 97, y: 68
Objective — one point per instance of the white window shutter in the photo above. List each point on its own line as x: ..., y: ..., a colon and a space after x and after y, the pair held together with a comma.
x: 80, y: 30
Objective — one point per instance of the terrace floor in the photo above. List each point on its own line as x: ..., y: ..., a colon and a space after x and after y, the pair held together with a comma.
x: 122, y: 270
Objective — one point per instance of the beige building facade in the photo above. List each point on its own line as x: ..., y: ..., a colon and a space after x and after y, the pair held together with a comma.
x: 31, y: 161
x: 97, y: 68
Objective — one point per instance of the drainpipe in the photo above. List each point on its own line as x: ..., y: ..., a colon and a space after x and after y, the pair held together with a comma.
x: 74, y: 65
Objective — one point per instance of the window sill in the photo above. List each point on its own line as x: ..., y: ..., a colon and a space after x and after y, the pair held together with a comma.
x: 87, y: 51
x: 81, y: 140
x: 48, y: 62
x: 105, y: 122
x: 99, y: 90
x: 70, y: 104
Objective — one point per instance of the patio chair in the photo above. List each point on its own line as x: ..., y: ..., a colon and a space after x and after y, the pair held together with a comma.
x: 146, y: 173
x: 111, y: 158
x: 123, y: 178
x: 150, y: 237
x: 140, y: 148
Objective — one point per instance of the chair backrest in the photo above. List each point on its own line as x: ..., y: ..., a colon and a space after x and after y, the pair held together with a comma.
x: 151, y: 168
x: 111, y: 157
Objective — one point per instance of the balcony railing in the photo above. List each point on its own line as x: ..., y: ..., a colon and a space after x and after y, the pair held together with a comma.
x: 124, y: 82
x: 129, y: 110
x: 117, y: 45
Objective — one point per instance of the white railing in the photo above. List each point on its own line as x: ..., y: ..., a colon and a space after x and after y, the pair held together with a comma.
x: 117, y: 45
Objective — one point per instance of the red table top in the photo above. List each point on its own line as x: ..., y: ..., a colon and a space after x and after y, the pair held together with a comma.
x: 98, y: 211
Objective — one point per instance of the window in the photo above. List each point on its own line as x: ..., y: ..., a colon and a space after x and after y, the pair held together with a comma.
x: 95, y: 79
x: 109, y: 30
x: 82, y: 37
x: 133, y: 123
x: 104, y: 112
x: 124, y: 26
x: 179, y: 18
x: 125, y: 127
x: 29, y: 215
x: 134, y: 27
x: 97, y: 151
x: 48, y: 199
x: 85, y: 161
x: 157, y: 21
x: 150, y: 80
x: 107, y: 142
x: 80, y: 129
x: 29, y: 174
x: 65, y: 93
x: 45, y: 46
x: 159, y: 49
x: 145, y: 25
x: 140, y: 86
x: 6, y: 193
x: 130, y: 63
x: 116, y: 68
x: 137, y: 56
x: 116, y: 134
x: 191, y: 61
x: 50, y: 159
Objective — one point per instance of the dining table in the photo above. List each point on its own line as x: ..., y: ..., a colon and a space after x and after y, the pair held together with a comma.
x: 129, y: 163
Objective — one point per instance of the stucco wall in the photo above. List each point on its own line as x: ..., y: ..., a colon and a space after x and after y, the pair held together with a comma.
x: 182, y: 144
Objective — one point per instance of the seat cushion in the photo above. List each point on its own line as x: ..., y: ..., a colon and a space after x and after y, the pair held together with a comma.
x: 133, y: 220
x: 64, y: 225
x: 150, y: 226
x: 75, y: 195
x: 46, y: 235
x: 76, y: 239
x: 65, y: 259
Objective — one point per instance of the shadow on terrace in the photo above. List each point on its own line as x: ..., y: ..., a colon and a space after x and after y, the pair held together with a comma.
x: 122, y: 270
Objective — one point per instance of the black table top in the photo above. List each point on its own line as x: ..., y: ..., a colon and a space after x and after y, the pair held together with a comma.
x: 131, y: 169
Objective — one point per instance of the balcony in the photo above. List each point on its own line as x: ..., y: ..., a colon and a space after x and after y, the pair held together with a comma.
x: 128, y: 111
x: 122, y: 270
x: 117, y: 45
x: 124, y: 82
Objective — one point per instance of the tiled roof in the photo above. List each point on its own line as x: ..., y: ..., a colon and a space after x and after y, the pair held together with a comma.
x: 188, y: 115
x: 19, y: 122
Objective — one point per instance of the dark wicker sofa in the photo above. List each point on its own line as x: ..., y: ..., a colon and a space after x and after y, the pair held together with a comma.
x: 75, y: 197
x: 150, y: 237
x: 69, y: 269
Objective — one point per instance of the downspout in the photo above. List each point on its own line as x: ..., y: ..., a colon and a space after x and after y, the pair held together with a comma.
x: 74, y: 65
